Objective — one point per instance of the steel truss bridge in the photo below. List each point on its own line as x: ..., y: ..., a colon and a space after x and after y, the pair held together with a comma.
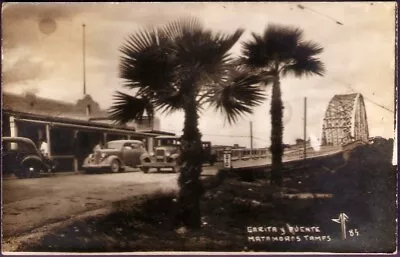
x: 345, y: 120
x: 345, y: 124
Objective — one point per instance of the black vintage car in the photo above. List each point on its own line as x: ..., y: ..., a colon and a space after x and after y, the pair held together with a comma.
x: 21, y: 157
x: 167, y: 152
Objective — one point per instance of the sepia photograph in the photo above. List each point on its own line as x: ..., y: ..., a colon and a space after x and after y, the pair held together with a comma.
x: 199, y: 127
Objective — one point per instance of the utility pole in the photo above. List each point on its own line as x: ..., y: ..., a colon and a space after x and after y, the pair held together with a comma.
x: 251, y: 139
x: 84, y: 60
x: 305, y: 130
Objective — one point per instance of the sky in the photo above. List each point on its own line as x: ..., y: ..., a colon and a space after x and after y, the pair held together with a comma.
x: 42, y: 54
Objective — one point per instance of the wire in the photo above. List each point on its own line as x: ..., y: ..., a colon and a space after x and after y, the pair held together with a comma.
x: 302, y: 7
x: 366, y: 98
x: 220, y: 135
x: 260, y: 139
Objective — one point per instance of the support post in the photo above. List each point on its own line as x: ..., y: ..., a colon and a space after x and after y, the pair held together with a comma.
x: 48, y: 139
x: 13, y: 131
x: 84, y: 60
x: 13, y: 127
x: 104, y: 138
x: 305, y: 130
x: 251, y: 139
x: 150, y: 144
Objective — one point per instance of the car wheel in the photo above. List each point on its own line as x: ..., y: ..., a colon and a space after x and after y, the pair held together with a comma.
x: 28, y: 170
x: 115, y: 166
x: 144, y: 169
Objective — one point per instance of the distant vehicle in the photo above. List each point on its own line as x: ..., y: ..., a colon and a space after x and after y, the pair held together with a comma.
x: 209, y: 154
x: 21, y: 156
x: 167, y: 153
x: 116, y: 156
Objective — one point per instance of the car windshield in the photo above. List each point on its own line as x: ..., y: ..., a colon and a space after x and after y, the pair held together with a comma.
x: 114, y: 145
x: 168, y: 142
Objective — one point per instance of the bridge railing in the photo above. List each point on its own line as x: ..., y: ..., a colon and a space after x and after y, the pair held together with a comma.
x: 263, y: 153
x: 244, y: 154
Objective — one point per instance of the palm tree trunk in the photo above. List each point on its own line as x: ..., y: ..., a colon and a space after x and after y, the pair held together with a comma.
x: 191, y: 188
x: 276, y: 133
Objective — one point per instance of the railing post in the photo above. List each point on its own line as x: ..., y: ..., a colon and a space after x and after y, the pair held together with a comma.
x: 76, y: 168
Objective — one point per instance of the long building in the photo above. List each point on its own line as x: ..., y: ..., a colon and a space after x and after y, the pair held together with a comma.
x: 71, y: 130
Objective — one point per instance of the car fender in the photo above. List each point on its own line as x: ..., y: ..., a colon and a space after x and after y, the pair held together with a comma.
x: 86, y: 160
x: 145, y: 157
x: 175, y: 156
x: 33, y: 158
x: 111, y: 158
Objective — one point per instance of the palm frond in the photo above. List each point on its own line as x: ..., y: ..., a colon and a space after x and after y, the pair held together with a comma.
x: 276, y: 45
x: 304, y: 62
x: 178, y: 28
x: 305, y: 67
x: 254, y: 53
x: 199, y: 52
x: 146, y: 61
x: 238, y: 96
x: 128, y: 108
x: 174, y: 61
x: 306, y: 49
x: 169, y: 102
x: 282, y: 39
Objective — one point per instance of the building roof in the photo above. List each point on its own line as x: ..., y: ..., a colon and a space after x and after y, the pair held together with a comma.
x: 30, y: 103
x: 85, y: 112
x: 44, y: 107
x: 171, y: 136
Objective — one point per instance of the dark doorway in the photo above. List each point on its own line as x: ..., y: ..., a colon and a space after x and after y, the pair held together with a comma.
x: 111, y: 137
x: 33, y: 131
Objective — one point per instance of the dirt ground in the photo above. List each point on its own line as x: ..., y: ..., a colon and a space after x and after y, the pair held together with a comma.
x: 31, y: 203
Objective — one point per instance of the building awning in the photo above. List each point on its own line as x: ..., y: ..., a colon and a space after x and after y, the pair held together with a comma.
x: 79, y: 124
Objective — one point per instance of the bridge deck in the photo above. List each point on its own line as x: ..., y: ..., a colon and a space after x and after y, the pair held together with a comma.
x: 266, y: 161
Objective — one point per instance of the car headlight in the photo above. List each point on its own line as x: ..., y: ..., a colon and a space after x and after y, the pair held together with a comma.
x: 167, y: 154
x: 102, y: 156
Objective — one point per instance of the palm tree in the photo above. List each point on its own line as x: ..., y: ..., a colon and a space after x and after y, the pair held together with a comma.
x: 183, y: 67
x: 279, y: 52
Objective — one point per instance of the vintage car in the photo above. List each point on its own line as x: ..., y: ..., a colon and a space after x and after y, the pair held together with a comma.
x: 21, y: 157
x: 116, y: 156
x: 167, y: 152
x: 209, y: 154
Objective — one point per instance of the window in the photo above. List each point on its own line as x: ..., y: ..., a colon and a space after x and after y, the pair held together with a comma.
x: 135, y: 145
